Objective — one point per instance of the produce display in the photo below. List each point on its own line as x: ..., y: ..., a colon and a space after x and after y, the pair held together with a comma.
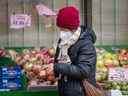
x: 111, y: 59
x: 105, y: 60
x: 34, y: 64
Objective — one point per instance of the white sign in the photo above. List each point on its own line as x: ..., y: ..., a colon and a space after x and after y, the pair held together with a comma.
x: 118, y: 74
x: 19, y: 21
x: 43, y: 10
x: 116, y: 93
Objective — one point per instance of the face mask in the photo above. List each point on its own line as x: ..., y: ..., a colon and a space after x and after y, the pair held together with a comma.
x: 65, y: 35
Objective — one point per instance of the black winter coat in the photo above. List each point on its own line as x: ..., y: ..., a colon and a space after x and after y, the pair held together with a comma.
x: 83, y: 57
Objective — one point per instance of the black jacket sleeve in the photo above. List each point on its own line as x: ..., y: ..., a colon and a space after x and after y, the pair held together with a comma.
x: 86, y: 62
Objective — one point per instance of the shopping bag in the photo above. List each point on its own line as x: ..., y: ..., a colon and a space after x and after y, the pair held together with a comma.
x: 91, y: 90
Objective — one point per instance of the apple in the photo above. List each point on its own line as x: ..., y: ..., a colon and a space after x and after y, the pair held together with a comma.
x: 98, y: 78
x: 42, y: 74
x: 25, y: 51
x: 99, y: 57
x: 26, y: 56
x: 116, y: 62
x: 104, y: 69
x: 108, y: 61
x: 51, y: 52
x: 33, y: 59
x: 51, y: 78
x: 31, y: 75
x: 108, y: 55
x: 122, y: 51
x: 28, y: 66
x: 36, y: 68
x: 100, y: 63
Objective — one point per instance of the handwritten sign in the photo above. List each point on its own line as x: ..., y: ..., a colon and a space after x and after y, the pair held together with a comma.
x: 19, y: 21
x: 43, y: 10
x: 118, y: 74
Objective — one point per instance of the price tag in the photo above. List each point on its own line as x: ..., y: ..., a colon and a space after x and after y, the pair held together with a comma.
x: 116, y: 93
x: 19, y: 21
x: 118, y: 74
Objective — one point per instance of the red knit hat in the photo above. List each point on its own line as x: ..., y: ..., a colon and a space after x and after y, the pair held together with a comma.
x: 68, y: 17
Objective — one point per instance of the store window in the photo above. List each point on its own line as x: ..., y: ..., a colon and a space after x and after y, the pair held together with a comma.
x: 110, y: 21
x: 42, y: 32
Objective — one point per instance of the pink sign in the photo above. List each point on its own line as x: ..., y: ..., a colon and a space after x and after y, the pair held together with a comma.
x: 19, y: 21
x: 118, y: 74
x: 43, y: 10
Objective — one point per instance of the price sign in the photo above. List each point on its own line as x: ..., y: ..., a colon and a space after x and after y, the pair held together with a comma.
x: 43, y: 10
x: 118, y: 74
x: 18, y: 21
x: 116, y: 93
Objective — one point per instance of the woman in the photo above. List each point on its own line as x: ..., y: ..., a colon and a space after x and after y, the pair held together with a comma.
x: 75, y: 58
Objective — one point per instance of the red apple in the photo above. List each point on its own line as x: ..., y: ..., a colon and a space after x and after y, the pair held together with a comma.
x: 42, y: 74
x: 36, y: 68
x: 123, y: 51
x: 50, y: 78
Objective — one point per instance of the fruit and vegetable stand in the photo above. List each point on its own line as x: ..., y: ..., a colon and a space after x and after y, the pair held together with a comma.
x: 31, y: 85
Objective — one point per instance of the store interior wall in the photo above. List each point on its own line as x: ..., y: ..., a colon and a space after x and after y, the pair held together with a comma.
x: 43, y: 31
x: 110, y: 21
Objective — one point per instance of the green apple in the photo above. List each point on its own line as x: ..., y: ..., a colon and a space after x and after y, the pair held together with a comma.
x: 98, y: 78
x: 108, y: 56
x: 100, y: 63
x: 99, y: 57
x: 114, y: 84
x: 28, y: 66
x: 118, y: 87
x: 116, y: 62
x: 108, y: 61
x: 104, y: 69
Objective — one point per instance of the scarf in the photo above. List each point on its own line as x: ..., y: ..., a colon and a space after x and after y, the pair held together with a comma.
x: 65, y: 45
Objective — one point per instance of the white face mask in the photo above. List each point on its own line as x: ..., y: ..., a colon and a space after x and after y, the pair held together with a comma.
x: 65, y: 35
